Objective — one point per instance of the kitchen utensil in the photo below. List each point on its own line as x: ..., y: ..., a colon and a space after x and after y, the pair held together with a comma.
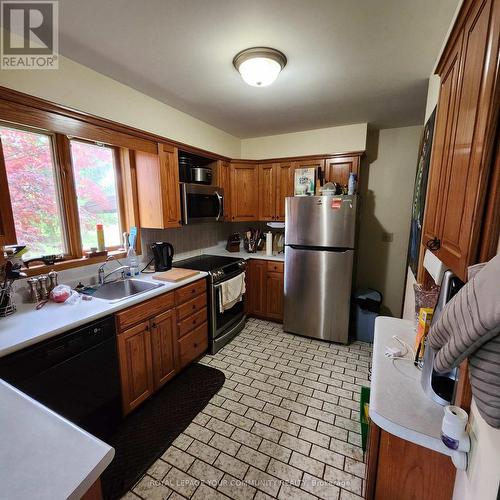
x: 233, y: 242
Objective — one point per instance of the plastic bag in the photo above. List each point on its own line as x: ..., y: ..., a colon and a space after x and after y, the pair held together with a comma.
x: 60, y: 293
x: 63, y: 293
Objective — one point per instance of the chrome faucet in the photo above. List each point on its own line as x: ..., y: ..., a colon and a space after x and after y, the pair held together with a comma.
x: 101, y: 276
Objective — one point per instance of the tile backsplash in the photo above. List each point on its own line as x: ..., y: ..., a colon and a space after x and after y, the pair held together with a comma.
x: 192, y: 238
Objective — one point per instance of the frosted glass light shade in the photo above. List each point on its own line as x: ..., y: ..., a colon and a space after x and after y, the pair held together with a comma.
x: 259, y: 66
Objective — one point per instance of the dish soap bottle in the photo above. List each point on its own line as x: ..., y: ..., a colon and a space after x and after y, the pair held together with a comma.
x: 132, y: 261
x: 101, y: 246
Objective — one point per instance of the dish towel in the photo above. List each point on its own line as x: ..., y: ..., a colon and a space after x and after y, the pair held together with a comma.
x: 231, y: 292
x: 469, y: 326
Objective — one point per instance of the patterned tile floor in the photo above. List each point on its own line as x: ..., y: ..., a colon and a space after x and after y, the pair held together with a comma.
x: 285, y: 424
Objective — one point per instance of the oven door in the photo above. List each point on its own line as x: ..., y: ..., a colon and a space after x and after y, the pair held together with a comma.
x: 222, y: 321
x: 201, y: 203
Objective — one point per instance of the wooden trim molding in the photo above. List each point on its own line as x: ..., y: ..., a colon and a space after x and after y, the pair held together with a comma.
x: 16, y: 106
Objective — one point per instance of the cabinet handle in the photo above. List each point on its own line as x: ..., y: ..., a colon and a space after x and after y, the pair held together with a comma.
x: 193, y: 291
x: 194, y: 306
x: 195, y: 344
x: 147, y: 328
x: 194, y: 322
x: 153, y: 325
x: 434, y: 244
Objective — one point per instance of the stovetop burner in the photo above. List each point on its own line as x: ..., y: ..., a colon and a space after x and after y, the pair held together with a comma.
x: 217, y: 266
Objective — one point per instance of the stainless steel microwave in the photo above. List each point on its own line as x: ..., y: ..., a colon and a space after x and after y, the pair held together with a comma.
x: 201, y: 203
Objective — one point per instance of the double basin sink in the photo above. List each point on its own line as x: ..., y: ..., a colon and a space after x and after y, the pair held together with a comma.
x: 115, y: 291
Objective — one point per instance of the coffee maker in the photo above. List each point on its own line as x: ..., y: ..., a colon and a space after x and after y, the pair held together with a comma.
x: 163, y: 254
x: 440, y: 387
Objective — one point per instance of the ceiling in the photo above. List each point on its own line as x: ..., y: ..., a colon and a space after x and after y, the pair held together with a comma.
x: 349, y: 61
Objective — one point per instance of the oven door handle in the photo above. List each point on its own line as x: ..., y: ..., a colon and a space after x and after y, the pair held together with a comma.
x: 219, y: 199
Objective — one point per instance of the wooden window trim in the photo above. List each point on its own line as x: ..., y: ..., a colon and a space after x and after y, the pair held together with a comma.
x: 126, y: 192
x: 72, y: 263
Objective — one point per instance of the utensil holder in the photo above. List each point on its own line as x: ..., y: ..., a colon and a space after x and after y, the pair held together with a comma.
x: 7, y: 304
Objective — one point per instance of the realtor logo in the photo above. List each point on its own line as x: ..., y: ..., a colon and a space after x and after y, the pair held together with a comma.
x: 30, y: 38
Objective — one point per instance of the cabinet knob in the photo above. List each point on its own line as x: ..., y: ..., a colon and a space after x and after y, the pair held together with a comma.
x: 194, y: 322
x: 434, y: 244
x: 195, y: 344
x: 153, y: 325
x: 194, y: 306
x: 147, y: 328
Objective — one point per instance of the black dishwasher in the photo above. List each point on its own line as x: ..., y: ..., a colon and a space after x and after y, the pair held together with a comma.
x: 75, y: 374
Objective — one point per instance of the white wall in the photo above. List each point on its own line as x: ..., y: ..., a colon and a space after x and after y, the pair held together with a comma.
x: 387, y: 180
x: 82, y: 88
x: 343, y: 139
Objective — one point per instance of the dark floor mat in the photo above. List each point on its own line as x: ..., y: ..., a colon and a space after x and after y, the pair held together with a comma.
x: 146, y: 433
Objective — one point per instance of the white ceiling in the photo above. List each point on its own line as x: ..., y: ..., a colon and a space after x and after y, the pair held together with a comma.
x: 349, y: 61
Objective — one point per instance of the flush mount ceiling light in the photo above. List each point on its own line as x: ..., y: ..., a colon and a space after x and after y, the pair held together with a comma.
x: 259, y: 66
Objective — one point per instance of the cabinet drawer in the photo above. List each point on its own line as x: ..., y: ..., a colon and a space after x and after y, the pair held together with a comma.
x: 144, y: 310
x: 275, y: 267
x: 193, y: 344
x: 191, y: 307
x: 192, y: 321
x: 189, y: 291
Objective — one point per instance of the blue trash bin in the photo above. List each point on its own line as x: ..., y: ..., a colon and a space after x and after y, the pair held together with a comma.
x: 368, y: 304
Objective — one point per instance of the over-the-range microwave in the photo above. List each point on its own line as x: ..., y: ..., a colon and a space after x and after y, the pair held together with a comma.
x: 201, y: 203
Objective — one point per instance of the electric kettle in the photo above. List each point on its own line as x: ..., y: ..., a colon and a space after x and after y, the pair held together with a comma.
x: 163, y: 254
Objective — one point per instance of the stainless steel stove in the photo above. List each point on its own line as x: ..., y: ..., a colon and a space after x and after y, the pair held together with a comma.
x: 222, y: 326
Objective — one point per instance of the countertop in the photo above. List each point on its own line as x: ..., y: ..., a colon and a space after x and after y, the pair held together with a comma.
x: 28, y: 326
x: 221, y: 250
x: 45, y: 456
x: 398, y: 403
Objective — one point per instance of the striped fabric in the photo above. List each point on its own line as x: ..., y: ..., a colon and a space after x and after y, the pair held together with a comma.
x: 469, y: 326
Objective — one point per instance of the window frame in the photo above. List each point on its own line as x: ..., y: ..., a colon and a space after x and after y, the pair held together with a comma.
x: 74, y: 255
x: 118, y: 185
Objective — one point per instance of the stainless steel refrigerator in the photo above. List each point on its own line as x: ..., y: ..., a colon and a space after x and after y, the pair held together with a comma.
x: 319, y: 255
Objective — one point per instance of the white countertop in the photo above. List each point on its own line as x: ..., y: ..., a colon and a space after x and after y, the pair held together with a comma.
x: 28, y: 326
x: 398, y: 403
x: 221, y: 250
x: 43, y: 455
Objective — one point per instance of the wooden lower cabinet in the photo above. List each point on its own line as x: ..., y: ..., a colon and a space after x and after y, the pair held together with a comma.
x: 136, y: 365
x: 398, y: 469
x: 159, y: 337
x: 265, y: 289
x: 163, y: 342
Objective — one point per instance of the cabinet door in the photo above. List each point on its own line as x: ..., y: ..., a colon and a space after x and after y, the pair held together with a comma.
x: 244, y: 192
x: 465, y: 184
x: 284, y: 187
x: 7, y: 230
x: 267, y: 192
x: 257, y: 282
x: 337, y: 169
x: 224, y: 181
x: 274, y: 296
x: 136, y: 365
x: 442, y: 146
x: 163, y: 342
x: 170, y: 186
x: 310, y: 163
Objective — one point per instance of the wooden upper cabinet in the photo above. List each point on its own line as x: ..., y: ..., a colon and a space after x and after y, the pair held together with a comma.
x: 158, y: 188
x: 310, y: 163
x: 442, y: 146
x: 267, y: 191
x: 464, y: 137
x: 284, y: 187
x: 164, y: 342
x: 244, y: 191
x: 136, y: 366
x: 224, y: 181
x: 7, y: 229
x: 337, y: 169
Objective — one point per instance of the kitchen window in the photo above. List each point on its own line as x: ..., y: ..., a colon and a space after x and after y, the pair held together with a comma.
x: 59, y: 189
x: 97, y: 192
x: 34, y: 190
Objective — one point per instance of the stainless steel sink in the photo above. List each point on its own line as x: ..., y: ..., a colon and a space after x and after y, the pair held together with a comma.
x: 122, y: 289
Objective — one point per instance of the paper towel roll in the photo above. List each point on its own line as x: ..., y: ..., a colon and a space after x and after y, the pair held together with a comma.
x: 434, y: 267
x: 269, y: 243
